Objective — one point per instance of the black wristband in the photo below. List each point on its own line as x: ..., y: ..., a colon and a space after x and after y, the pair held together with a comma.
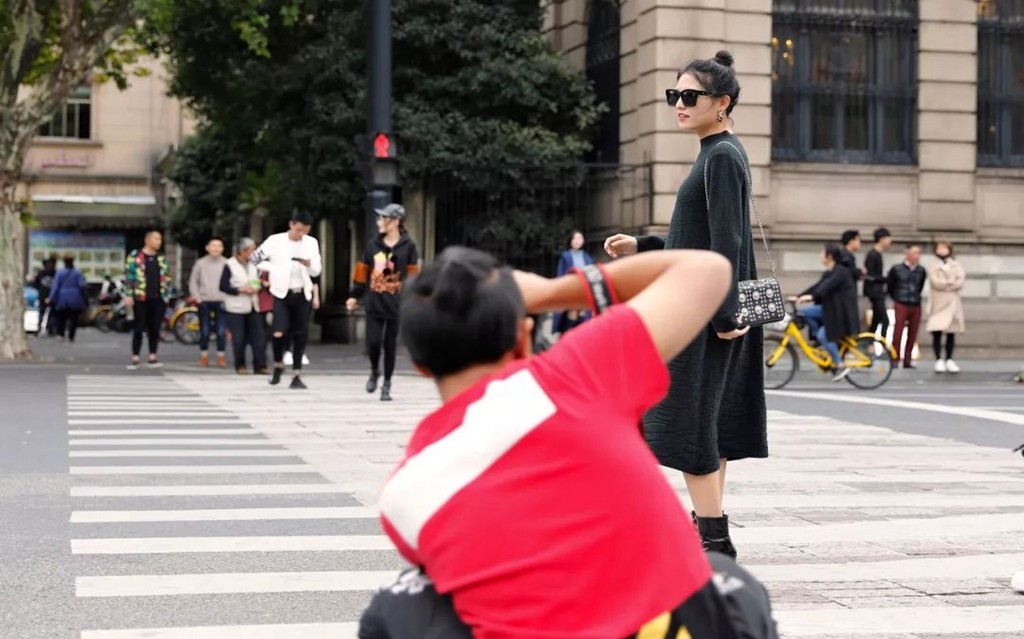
x: 598, y: 290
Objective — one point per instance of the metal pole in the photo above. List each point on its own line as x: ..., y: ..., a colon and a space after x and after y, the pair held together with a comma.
x: 379, y: 90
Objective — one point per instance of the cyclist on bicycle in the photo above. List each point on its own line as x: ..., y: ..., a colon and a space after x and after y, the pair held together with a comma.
x: 833, y: 315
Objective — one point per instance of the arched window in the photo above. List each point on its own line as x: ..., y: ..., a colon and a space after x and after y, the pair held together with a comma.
x: 1001, y: 82
x: 844, y: 78
x: 603, y: 71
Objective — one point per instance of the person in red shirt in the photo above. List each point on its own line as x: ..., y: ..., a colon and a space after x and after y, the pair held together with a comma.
x: 530, y: 497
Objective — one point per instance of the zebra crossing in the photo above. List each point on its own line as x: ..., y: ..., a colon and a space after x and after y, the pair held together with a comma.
x: 218, y: 507
x: 189, y: 522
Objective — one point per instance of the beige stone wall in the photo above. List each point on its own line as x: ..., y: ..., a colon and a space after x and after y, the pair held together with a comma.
x: 803, y: 204
x: 131, y: 131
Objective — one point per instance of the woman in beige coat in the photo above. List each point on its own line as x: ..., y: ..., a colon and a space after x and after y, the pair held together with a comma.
x: 946, y: 317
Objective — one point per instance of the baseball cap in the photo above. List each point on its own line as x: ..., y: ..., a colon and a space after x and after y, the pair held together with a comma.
x: 392, y: 210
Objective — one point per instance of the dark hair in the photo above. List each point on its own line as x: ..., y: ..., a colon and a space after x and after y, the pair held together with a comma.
x: 152, y: 230
x: 911, y: 245
x: 69, y: 261
x: 833, y: 252
x: 573, y: 234
x: 301, y: 217
x: 944, y: 242
x: 216, y: 238
x: 717, y: 76
x: 882, y: 233
x: 849, y: 236
x: 463, y: 309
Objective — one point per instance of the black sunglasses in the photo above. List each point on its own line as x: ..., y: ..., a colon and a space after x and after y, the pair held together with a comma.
x: 689, y: 96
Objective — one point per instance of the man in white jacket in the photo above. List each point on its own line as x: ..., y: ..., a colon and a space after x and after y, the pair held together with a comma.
x: 292, y: 259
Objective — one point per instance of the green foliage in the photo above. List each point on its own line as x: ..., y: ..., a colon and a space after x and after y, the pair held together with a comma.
x: 479, y: 94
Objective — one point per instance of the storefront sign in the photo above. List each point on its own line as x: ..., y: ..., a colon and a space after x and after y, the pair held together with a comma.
x: 65, y: 161
x: 97, y: 254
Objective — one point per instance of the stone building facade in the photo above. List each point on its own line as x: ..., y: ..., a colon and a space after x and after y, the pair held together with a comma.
x: 907, y: 114
x: 92, y: 174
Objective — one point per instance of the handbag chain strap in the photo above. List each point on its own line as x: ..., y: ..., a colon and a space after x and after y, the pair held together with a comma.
x: 753, y: 203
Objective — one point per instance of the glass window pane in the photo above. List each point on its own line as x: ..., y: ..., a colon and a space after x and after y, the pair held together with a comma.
x: 823, y: 122
x: 85, y: 121
x: 855, y: 123
x: 784, y: 108
x: 1015, y: 128
x: 69, y: 121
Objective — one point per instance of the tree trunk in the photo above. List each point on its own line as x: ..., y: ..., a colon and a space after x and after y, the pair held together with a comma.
x: 13, y: 342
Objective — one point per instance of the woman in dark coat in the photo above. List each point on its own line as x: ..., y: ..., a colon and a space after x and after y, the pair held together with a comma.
x: 575, y: 257
x: 68, y: 298
x: 715, y: 408
x: 836, y: 293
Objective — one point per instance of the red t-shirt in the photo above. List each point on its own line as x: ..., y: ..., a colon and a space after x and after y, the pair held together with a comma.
x: 533, y: 499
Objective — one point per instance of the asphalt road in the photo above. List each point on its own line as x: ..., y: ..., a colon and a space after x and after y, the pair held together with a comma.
x: 38, y: 575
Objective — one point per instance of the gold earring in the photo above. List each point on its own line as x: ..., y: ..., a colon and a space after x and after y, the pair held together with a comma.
x: 721, y: 116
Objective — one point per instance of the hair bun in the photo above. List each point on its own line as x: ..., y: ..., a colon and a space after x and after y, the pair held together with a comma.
x: 724, y: 58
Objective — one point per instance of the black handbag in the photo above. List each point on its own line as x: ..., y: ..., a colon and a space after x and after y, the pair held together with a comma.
x: 761, y: 300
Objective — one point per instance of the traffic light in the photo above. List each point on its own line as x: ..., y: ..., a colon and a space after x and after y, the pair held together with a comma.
x: 384, y: 161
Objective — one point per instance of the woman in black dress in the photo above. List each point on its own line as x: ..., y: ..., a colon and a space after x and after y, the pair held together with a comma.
x: 715, y: 408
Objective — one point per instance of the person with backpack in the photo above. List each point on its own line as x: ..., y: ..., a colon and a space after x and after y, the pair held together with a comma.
x: 389, y: 258
x: 69, y: 298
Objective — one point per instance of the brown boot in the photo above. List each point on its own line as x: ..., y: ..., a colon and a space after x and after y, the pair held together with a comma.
x: 204, y: 360
x: 222, y: 362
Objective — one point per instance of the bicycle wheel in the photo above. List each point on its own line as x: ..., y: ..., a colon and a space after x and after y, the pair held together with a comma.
x: 186, y: 327
x: 869, y: 361
x: 780, y: 362
x: 102, y: 317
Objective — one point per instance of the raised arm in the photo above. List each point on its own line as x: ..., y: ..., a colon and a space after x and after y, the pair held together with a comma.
x: 674, y: 292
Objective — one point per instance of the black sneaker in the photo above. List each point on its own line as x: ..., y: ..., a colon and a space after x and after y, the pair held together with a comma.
x: 297, y: 383
x: 275, y: 377
x: 385, y: 391
x: 371, y: 384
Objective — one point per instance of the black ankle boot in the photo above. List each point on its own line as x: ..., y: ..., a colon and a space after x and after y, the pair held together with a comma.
x: 371, y: 384
x: 385, y: 391
x: 714, y: 534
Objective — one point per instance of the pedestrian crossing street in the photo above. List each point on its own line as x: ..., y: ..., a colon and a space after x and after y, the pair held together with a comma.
x: 212, y: 506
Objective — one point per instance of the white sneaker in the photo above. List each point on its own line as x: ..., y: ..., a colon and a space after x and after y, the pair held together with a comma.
x: 289, y: 359
x: 1017, y: 582
x: 940, y: 366
x: 951, y: 366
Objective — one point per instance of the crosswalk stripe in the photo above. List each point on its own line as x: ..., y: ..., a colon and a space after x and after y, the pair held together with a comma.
x: 343, y: 630
x: 251, y: 469
x: 924, y: 621
x: 241, y: 429
x: 870, y: 500
x: 165, y: 414
x: 181, y: 452
x: 251, y: 439
x: 129, y: 421
x: 209, y: 490
x: 946, y: 568
x: 223, y: 514
x: 171, y: 545
x: 903, y: 528
x: 230, y: 583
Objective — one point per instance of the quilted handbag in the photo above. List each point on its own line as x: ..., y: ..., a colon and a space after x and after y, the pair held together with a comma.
x: 761, y: 300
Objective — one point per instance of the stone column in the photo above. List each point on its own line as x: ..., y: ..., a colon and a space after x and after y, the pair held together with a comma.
x: 947, y: 116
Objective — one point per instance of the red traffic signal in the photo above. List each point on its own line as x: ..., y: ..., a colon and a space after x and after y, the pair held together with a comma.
x: 382, y: 146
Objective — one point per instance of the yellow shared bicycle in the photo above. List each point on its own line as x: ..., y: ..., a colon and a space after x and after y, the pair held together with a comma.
x: 869, y: 358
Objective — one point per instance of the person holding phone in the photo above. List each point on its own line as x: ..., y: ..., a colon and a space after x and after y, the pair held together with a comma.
x: 292, y: 259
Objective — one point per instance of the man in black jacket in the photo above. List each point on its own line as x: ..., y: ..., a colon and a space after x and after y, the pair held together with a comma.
x: 848, y: 255
x: 905, y: 282
x: 874, y: 281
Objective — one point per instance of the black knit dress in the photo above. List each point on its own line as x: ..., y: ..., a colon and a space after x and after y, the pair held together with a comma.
x: 715, y: 407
